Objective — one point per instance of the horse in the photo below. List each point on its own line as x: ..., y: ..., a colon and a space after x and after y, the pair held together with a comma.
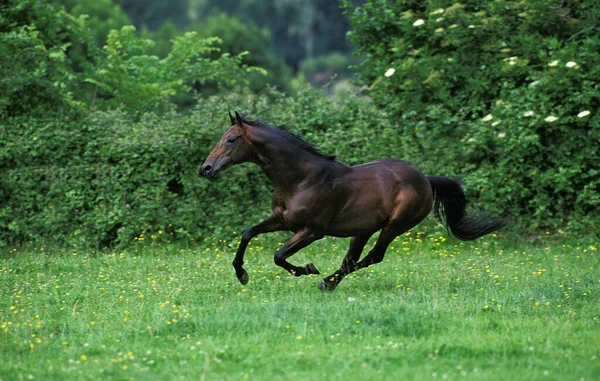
x: 316, y: 195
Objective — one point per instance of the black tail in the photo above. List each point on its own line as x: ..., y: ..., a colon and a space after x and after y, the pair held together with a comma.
x: 449, y: 194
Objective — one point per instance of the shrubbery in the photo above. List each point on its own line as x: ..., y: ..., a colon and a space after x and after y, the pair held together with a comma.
x: 93, y: 151
x: 70, y: 171
x: 111, y: 176
x: 504, y: 94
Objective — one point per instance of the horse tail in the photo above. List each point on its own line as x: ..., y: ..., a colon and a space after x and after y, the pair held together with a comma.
x: 449, y: 209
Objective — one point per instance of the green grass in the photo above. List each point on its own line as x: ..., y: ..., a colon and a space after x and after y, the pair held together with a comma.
x: 435, y: 308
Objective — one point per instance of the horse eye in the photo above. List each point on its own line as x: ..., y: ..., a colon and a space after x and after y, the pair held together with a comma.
x: 231, y: 139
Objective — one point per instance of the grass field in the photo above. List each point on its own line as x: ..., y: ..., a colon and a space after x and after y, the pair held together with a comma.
x: 436, y: 308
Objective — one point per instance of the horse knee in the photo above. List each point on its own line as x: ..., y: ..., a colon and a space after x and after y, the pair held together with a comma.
x: 247, y: 235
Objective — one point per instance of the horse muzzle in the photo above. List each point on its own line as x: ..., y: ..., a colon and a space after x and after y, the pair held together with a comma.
x: 207, y: 170
x: 213, y: 168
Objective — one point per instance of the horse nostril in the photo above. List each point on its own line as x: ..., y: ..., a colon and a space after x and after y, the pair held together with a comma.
x: 207, y: 168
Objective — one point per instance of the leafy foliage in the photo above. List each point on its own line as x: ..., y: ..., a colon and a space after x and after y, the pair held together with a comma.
x: 40, y: 74
x: 36, y: 72
x: 112, y: 176
x: 101, y: 17
x: 125, y: 75
x: 240, y: 36
x: 66, y: 173
x: 94, y: 152
x: 502, y: 93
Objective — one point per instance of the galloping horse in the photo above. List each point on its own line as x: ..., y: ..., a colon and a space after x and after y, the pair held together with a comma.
x: 316, y: 195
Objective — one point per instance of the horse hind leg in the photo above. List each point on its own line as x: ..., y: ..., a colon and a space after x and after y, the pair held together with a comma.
x: 410, y: 208
x: 357, y: 244
x: 387, y: 235
x: 376, y: 254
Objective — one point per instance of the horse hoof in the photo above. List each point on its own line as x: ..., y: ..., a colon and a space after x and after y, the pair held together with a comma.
x: 326, y: 286
x: 311, y: 269
x: 243, y: 277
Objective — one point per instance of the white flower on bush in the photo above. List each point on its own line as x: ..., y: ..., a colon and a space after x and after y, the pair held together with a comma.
x: 501, y: 134
x: 571, y: 64
x: 390, y: 72
x: 496, y: 123
x: 419, y: 22
x: 487, y: 118
x: 528, y: 113
x: 583, y: 114
x: 553, y: 63
x: 551, y: 119
x: 439, y: 30
x: 438, y: 11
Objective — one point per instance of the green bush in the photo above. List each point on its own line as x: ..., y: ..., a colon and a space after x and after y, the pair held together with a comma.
x: 110, y: 177
x: 503, y: 94
x: 90, y: 147
x: 236, y: 38
x: 114, y: 176
x: 36, y: 73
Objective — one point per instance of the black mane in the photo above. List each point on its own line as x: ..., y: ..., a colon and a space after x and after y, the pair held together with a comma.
x: 290, y: 137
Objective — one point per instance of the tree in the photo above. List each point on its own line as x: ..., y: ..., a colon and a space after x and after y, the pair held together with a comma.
x: 299, y: 29
x: 239, y: 36
x: 101, y: 16
x: 152, y: 14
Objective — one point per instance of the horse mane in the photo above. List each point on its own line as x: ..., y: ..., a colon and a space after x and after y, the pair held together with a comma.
x: 292, y: 138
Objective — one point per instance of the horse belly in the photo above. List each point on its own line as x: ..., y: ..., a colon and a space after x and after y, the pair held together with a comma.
x: 360, y: 217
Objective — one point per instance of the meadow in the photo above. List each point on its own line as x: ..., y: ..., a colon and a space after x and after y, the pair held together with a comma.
x: 498, y: 308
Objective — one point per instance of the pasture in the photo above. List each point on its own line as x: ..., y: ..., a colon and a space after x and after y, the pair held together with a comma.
x: 436, y: 308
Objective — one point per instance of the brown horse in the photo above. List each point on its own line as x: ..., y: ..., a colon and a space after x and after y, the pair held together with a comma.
x: 316, y: 195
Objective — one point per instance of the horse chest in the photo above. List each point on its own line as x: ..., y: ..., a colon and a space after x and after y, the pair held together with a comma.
x: 296, y: 214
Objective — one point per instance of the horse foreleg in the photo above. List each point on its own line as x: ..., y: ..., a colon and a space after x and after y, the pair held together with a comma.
x: 300, y: 240
x: 270, y: 224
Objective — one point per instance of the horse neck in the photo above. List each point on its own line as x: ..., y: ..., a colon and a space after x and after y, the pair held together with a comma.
x: 284, y: 163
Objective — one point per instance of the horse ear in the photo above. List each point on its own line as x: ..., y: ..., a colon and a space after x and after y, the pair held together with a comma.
x: 231, y: 118
x: 238, y: 120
